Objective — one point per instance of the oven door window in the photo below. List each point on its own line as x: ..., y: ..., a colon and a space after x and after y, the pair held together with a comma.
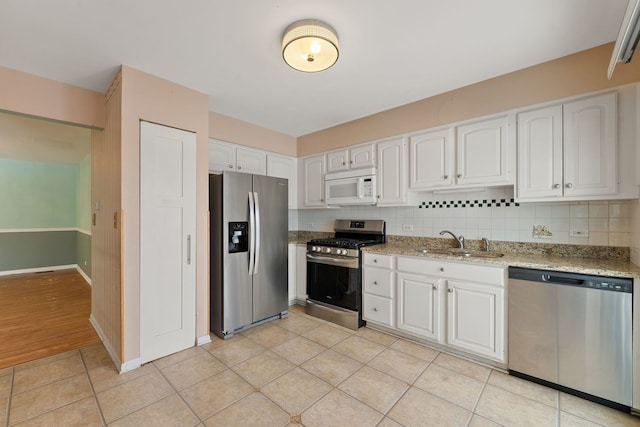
x: 334, y: 285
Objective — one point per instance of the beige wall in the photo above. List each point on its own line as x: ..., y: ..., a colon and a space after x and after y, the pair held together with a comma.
x: 582, y: 72
x: 146, y: 97
x: 233, y: 130
x: 36, y: 96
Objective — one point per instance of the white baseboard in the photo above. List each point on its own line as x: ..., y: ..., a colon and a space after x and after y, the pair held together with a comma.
x: 38, y: 269
x: 83, y: 274
x: 122, y: 367
x: 205, y: 339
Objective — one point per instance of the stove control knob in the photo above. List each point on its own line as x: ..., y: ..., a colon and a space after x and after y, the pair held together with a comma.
x: 314, y: 249
x: 328, y: 250
x: 344, y: 252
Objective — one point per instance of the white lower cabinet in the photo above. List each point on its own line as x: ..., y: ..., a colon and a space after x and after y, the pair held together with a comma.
x: 475, y: 318
x: 292, y: 273
x: 457, y: 305
x: 420, y: 305
x: 378, y: 287
x: 301, y: 273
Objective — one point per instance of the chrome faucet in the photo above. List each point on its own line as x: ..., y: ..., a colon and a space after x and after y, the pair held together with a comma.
x: 460, y: 239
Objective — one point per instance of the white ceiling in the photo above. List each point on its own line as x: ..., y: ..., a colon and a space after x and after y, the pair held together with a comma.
x: 391, y: 52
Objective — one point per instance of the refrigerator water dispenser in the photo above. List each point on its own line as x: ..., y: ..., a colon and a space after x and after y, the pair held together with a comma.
x: 238, y: 237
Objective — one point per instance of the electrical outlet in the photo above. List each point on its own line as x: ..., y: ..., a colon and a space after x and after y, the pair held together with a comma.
x: 310, y: 225
x: 407, y: 227
x: 579, y: 233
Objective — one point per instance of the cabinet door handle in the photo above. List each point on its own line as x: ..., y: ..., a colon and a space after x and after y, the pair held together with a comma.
x: 556, y: 186
x: 569, y: 185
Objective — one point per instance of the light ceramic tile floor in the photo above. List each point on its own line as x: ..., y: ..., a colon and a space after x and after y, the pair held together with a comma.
x: 295, y: 371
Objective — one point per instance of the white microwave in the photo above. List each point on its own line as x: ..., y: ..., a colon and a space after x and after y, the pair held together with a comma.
x: 352, y: 187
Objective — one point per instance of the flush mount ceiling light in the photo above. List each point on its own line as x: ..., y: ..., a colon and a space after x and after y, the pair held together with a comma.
x: 310, y: 46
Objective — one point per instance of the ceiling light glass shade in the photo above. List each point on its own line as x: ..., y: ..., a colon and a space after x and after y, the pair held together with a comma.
x: 310, y: 46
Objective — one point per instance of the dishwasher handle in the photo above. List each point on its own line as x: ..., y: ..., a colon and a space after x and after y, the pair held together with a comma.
x: 562, y: 280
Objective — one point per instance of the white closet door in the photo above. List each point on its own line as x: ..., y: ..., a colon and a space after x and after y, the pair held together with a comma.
x: 167, y: 240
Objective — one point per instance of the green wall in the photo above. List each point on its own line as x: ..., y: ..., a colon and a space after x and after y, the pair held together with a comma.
x: 35, y: 195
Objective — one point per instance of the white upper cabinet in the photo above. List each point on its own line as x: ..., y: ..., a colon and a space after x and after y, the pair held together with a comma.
x: 540, y: 153
x: 392, y: 181
x: 285, y: 167
x: 313, y: 170
x: 222, y: 156
x: 431, y: 157
x: 469, y: 155
x: 358, y: 156
x: 251, y: 161
x: 227, y: 156
x: 482, y: 153
x: 590, y: 146
x: 568, y: 150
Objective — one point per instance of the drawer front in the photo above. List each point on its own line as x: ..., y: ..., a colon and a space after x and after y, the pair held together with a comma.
x: 378, y: 260
x: 378, y: 281
x: 452, y: 270
x: 377, y: 309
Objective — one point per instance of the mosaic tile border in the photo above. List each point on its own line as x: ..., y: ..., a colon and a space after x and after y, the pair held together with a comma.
x: 485, y: 203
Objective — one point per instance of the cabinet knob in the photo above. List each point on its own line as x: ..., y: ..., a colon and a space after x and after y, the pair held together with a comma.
x: 239, y: 167
x: 351, y: 161
x: 446, y: 177
x: 569, y: 185
x: 435, y: 288
x: 375, y: 308
x: 375, y: 283
x: 230, y: 166
x: 556, y: 186
x: 450, y: 290
x: 343, y: 163
x: 378, y: 196
x: 375, y: 260
x: 441, y: 268
x: 459, y: 175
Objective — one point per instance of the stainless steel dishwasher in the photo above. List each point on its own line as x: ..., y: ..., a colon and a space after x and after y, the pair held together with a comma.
x: 573, y: 332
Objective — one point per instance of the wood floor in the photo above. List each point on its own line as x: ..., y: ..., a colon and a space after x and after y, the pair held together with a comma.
x: 43, y: 314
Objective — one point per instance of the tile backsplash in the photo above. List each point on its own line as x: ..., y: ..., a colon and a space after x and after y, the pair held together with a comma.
x: 491, y: 213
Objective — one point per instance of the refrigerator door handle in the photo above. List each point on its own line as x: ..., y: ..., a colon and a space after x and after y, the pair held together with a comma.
x: 188, y: 249
x: 257, y: 234
x: 252, y: 234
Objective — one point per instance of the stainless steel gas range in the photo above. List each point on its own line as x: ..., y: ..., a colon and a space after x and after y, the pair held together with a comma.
x: 334, y: 274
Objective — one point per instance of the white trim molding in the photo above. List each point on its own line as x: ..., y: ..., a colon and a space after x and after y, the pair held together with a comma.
x: 39, y: 269
x: 122, y: 367
x: 83, y: 274
x: 205, y: 339
x: 44, y: 230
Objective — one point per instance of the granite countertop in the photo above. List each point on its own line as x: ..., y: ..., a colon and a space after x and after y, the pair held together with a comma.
x: 600, y: 260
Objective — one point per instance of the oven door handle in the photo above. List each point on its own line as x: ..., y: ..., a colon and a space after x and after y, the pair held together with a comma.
x: 350, y: 263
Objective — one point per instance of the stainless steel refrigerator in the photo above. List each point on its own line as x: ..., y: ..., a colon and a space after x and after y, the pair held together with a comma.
x: 249, y: 238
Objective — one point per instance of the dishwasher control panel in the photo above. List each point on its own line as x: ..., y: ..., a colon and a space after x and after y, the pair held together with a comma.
x: 610, y: 286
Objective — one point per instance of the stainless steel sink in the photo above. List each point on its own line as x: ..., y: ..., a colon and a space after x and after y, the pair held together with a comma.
x: 469, y: 253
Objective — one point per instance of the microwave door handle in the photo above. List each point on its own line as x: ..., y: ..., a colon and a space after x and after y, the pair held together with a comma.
x: 360, y: 188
